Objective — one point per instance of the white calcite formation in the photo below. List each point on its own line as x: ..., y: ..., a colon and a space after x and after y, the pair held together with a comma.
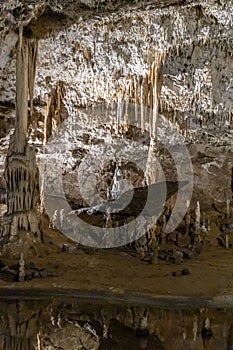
x: 166, y: 58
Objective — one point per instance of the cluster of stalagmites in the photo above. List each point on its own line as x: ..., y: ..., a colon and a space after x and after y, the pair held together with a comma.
x: 187, y: 241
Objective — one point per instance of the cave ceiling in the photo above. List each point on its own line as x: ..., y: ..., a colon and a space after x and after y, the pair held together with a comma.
x: 95, y: 50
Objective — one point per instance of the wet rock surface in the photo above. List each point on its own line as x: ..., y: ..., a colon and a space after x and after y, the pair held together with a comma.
x: 70, y: 324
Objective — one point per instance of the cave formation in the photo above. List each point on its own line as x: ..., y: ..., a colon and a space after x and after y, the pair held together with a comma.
x: 145, y: 69
x: 21, y: 175
x: 21, y: 172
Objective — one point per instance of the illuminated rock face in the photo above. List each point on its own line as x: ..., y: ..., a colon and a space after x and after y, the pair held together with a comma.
x: 109, y: 57
x: 173, y: 58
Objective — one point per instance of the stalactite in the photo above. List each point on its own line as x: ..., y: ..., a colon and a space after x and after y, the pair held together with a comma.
x: 155, y: 91
x: 155, y: 102
x: 118, y: 115
x: 22, y: 63
x: 53, y: 116
x: 126, y: 111
x: 136, y: 99
x: 145, y: 99
x: 142, y: 106
x: 150, y: 103
x: 33, y: 49
x: 130, y: 88
x: 46, y: 124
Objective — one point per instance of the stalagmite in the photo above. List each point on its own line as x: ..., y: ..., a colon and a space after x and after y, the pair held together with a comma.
x: 151, y: 174
x: 198, y: 215
x: 116, y: 187
x: 55, y: 219
x: 38, y: 337
x: 62, y: 218
x: 187, y: 219
x: 184, y: 334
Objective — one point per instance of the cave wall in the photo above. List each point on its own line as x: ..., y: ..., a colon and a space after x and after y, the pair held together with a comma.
x: 106, y: 56
x: 98, y: 57
x: 106, y: 59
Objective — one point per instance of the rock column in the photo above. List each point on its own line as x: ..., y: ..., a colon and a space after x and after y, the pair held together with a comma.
x: 21, y: 172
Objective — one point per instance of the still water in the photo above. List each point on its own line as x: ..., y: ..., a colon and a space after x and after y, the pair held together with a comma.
x: 72, y: 324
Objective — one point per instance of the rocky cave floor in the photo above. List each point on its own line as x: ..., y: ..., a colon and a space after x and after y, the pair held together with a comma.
x: 121, y: 271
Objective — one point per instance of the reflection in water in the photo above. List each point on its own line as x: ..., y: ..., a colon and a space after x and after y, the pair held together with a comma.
x: 74, y: 324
